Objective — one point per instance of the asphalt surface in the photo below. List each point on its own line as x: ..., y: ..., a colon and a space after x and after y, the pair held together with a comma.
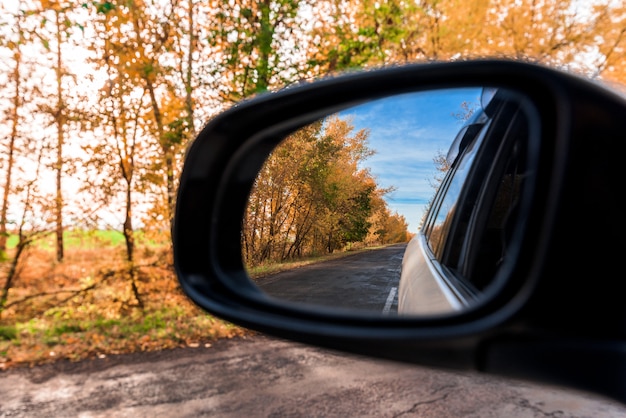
x: 361, y: 282
x: 266, y: 377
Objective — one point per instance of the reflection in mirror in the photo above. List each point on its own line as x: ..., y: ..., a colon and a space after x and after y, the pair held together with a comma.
x: 400, y: 206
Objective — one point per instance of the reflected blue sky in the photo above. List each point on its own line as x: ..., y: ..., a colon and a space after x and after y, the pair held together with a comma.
x: 406, y: 132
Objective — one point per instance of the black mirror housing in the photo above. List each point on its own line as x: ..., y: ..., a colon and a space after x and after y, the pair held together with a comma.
x: 561, y: 304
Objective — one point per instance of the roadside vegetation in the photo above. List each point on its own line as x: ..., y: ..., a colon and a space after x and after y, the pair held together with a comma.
x: 313, y: 196
x: 84, y: 307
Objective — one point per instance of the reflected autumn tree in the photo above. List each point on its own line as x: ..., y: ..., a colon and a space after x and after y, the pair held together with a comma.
x: 312, y: 196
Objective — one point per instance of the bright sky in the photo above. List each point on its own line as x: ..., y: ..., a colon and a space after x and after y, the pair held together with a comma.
x: 407, y: 132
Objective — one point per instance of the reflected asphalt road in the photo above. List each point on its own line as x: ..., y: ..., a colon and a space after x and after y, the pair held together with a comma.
x: 365, y: 281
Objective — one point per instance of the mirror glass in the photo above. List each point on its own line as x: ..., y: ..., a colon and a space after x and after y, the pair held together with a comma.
x: 405, y: 205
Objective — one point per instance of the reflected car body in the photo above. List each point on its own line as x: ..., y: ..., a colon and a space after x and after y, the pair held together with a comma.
x: 441, y: 271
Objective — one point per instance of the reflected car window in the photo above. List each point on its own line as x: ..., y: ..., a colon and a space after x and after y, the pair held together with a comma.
x: 445, y: 214
x: 474, y: 212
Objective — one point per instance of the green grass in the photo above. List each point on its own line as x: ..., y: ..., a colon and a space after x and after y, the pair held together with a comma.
x: 8, y: 333
x: 87, y: 239
x: 51, y: 337
x: 102, y: 324
x: 67, y: 328
x: 92, y: 239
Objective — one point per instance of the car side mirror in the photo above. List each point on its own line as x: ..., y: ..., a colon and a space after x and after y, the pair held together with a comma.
x: 495, y: 168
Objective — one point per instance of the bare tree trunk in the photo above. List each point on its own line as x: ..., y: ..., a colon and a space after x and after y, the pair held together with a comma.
x: 167, y: 150
x: 265, y: 38
x: 128, y: 229
x: 188, y: 75
x: 11, y: 150
x: 12, y: 273
x: 60, y: 122
x: 24, y: 240
x: 130, y: 247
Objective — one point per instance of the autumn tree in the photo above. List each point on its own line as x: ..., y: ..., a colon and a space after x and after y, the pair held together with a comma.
x: 355, y: 34
x: 281, y: 209
x: 118, y: 118
x: 32, y: 214
x: 312, y: 195
x: 55, y: 28
x: 343, y: 186
x: 185, y: 44
x: 393, y: 229
x: 386, y: 227
x: 255, y: 46
x: 141, y: 128
x: 25, y: 205
x: 139, y: 34
x: 51, y: 24
x: 609, y: 62
x: 547, y: 31
x: 151, y: 37
x: 14, y: 43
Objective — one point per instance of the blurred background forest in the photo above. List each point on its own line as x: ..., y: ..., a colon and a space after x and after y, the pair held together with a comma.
x: 99, y: 99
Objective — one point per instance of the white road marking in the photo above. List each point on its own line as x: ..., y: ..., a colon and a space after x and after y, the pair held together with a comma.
x: 390, y: 298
